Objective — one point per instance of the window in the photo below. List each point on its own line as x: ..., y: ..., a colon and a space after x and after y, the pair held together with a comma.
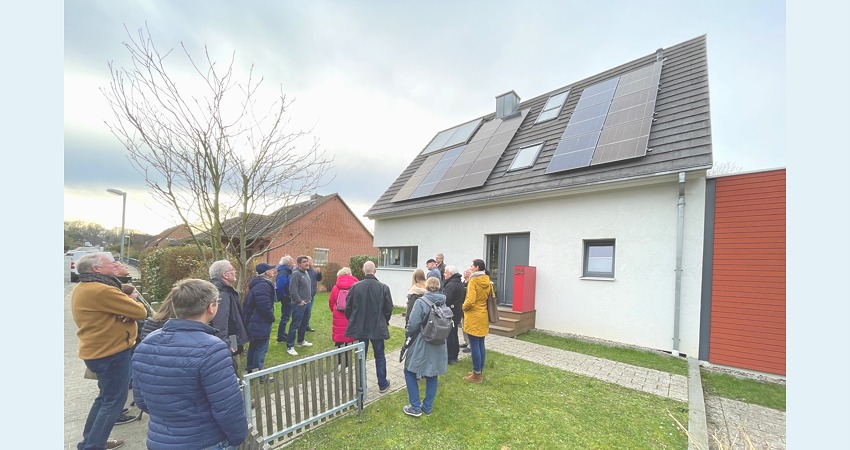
x: 398, y: 257
x: 552, y: 107
x: 599, y: 258
x: 525, y: 157
x: 320, y: 257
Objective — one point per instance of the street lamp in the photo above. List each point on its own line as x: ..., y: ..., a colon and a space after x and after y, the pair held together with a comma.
x: 123, y: 210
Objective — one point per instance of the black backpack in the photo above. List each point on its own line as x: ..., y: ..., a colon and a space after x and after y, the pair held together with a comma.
x: 438, y: 324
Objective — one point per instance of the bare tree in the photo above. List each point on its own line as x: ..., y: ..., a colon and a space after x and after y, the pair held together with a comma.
x: 213, y: 149
x: 724, y: 168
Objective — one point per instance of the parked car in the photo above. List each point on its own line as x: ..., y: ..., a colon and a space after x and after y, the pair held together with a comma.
x: 83, y: 250
x: 75, y: 276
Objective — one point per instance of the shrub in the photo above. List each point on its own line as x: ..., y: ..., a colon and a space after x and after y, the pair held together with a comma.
x: 162, y: 267
x: 356, y: 264
x: 329, y: 275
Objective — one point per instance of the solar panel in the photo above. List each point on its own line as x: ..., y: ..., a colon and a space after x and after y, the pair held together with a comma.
x: 611, y: 121
x: 464, y: 166
x: 453, y: 136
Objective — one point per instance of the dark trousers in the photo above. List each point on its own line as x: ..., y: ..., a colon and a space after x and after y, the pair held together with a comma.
x: 452, y: 344
x: 285, y: 314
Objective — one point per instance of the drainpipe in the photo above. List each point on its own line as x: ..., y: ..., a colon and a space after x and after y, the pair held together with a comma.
x: 680, y: 244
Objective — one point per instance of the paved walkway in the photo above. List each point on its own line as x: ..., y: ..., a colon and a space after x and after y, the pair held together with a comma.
x: 727, y: 418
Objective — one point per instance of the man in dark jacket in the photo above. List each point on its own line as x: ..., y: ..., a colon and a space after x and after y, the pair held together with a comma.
x: 182, y: 377
x: 368, y: 308
x: 300, y: 294
x: 315, y: 278
x: 258, y: 314
x: 228, y: 319
x: 455, y: 294
x: 284, y: 273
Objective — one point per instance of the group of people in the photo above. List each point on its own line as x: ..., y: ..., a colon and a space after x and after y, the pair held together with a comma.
x: 184, y: 359
x: 466, y: 296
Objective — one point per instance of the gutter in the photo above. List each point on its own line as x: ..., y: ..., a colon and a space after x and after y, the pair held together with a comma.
x: 680, y: 244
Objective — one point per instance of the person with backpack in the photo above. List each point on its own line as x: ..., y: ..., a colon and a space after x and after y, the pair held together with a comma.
x: 423, y: 358
x: 336, y: 302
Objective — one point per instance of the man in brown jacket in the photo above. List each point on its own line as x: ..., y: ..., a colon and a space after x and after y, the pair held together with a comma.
x: 106, y: 318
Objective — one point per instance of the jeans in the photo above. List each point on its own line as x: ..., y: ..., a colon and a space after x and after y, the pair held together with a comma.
x: 305, y: 322
x: 479, y: 353
x: 413, y: 392
x: 298, y: 313
x: 257, y: 354
x: 113, y: 377
x: 223, y: 445
x: 380, y: 361
x: 285, y: 314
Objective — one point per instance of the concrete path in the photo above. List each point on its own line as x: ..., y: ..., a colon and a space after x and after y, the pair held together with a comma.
x: 766, y: 427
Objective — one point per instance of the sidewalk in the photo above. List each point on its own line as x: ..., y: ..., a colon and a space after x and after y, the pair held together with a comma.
x: 766, y: 427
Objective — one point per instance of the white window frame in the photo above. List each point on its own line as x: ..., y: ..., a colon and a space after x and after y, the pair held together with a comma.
x: 318, y: 260
x: 522, y: 151
x: 557, y: 108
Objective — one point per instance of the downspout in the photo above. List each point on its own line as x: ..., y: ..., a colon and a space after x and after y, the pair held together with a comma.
x: 680, y: 245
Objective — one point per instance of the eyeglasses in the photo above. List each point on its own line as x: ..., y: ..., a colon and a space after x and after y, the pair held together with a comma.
x: 232, y: 269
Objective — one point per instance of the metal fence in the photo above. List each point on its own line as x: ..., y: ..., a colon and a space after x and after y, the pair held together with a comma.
x: 284, y: 401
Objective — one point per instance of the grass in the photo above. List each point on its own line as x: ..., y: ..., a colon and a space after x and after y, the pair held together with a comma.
x: 321, y: 320
x: 770, y: 395
x: 519, y: 405
x: 635, y: 357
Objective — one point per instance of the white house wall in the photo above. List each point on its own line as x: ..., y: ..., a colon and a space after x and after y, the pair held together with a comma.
x: 636, y: 308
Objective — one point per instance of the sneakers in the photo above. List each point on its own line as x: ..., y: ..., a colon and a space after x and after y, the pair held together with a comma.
x: 304, y: 343
x: 114, y: 443
x: 453, y: 361
x: 291, y: 351
x: 123, y: 418
x: 467, y: 350
x: 385, y: 388
x: 411, y: 412
x: 310, y: 329
x: 464, y: 345
x: 266, y: 379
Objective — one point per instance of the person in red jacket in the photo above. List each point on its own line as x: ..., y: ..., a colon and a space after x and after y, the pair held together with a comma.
x: 344, y: 281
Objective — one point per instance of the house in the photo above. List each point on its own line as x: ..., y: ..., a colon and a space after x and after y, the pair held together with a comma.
x: 323, y: 227
x: 595, y: 192
x: 172, y: 236
x: 743, y: 296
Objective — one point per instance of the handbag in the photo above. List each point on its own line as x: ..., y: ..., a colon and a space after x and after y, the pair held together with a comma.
x: 492, y: 309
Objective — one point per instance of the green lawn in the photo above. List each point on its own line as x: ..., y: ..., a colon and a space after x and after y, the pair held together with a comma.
x: 520, y: 405
x: 770, y: 395
x: 651, y: 360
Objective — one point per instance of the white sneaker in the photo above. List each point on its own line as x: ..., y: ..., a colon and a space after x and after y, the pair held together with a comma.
x: 304, y: 343
x: 291, y: 351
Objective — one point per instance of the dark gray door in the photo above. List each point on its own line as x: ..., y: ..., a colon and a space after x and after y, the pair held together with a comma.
x: 505, y: 251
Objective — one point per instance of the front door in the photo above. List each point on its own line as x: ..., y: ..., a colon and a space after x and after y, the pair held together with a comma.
x: 505, y: 251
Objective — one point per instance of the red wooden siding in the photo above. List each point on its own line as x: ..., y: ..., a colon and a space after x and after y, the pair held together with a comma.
x: 748, y: 275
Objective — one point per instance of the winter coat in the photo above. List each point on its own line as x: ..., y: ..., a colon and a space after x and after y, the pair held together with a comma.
x: 284, y: 273
x: 455, y: 293
x: 299, y: 287
x: 149, y: 327
x: 315, y: 278
x: 228, y: 319
x: 96, y: 307
x: 424, y: 358
x: 183, y: 377
x: 258, y: 309
x: 368, y: 307
x: 475, y: 320
x: 340, y: 323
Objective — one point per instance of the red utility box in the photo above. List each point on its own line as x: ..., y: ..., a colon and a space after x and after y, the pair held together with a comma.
x: 525, y: 279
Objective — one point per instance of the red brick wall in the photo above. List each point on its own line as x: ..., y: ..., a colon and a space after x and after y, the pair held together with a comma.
x: 331, y: 225
x: 748, y: 275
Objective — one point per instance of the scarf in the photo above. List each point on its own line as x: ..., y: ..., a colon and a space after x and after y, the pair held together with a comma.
x: 100, y: 278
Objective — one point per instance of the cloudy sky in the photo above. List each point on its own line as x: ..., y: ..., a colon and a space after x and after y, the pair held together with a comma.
x: 377, y: 80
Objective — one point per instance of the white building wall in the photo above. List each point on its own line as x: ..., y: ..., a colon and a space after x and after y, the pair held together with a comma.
x: 636, y: 308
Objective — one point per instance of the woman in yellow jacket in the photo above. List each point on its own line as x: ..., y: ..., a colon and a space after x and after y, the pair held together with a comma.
x: 475, y: 321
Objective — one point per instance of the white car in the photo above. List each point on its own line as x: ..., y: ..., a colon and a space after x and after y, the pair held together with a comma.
x: 75, y: 258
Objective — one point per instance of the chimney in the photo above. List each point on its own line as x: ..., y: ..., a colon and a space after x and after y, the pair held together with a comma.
x: 506, y: 105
